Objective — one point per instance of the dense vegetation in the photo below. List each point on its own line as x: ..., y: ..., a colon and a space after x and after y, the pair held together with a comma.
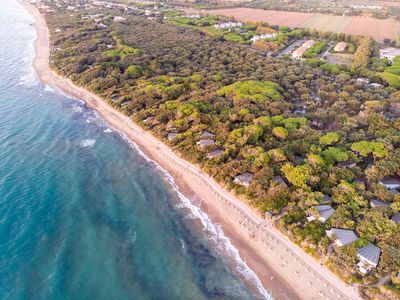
x: 269, y: 116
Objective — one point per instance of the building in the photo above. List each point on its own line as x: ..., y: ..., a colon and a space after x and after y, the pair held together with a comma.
x: 347, y: 164
x: 243, y: 179
x: 298, y: 53
x: 324, y: 211
x: 206, y: 134
x: 362, y: 81
x: 342, y: 237
x: 390, y: 182
x: 215, y: 153
x: 171, y: 136
x: 389, y: 53
x: 119, y: 19
x: 340, y: 47
x: 279, y: 180
x: 378, y: 203
x: 256, y: 38
x: 396, y: 218
x: 228, y: 25
x: 369, y: 257
x: 205, y: 143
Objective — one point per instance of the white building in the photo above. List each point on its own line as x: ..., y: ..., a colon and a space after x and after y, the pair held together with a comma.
x: 256, y: 38
x: 228, y: 25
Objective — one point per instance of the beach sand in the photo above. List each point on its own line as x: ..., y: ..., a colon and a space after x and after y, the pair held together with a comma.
x: 284, y: 269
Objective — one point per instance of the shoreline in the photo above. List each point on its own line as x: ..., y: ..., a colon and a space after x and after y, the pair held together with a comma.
x: 265, y: 250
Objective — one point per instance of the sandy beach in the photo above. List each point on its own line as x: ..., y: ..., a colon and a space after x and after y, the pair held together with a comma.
x: 284, y: 269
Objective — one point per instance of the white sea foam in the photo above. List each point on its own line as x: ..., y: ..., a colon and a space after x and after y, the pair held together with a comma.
x: 88, y: 143
x: 224, y: 245
x: 49, y: 89
x: 214, y: 232
x: 108, y: 130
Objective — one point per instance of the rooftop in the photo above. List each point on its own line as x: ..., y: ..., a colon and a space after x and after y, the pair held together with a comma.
x: 370, y: 254
x: 244, y: 178
x: 215, y: 153
x: 378, y: 203
x: 343, y: 236
x: 396, y: 218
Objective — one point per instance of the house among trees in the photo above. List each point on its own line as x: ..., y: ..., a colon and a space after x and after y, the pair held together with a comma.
x: 396, y: 218
x: 347, y: 164
x: 171, y: 136
x: 207, y: 135
x: 243, y: 179
x: 378, y: 203
x: 279, y: 180
x: 390, y: 182
x: 119, y: 19
x: 369, y: 257
x: 342, y: 237
x: 389, y: 53
x: 215, y: 153
x: 324, y: 212
x: 340, y: 47
x: 205, y: 143
x: 298, y: 53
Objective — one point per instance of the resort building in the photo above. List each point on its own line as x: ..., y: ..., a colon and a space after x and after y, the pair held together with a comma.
x: 342, y: 237
x: 378, y: 203
x: 369, y: 257
x: 215, y: 153
x: 256, y: 38
x: 279, y: 180
x: 298, y: 53
x: 347, y: 164
x: 228, y: 25
x: 340, y: 47
x: 206, y: 134
x: 171, y: 136
x: 205, y: 143
x: 389, y: 53
x: 394, y: 192
x: 243, y: 179
x: 363, y: 81
x: 396, y: 218
x: 119, y: 19
x: 390, y: 182
x: 324, y: 212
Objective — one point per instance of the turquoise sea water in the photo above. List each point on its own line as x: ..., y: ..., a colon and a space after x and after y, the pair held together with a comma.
x: 82, y: 214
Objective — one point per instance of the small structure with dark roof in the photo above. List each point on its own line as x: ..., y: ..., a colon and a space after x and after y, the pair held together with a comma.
x: 205, y: 143
x: 171, y: 136
x: 215, y: 153
x: 342, y: 237
x: 243, y: 179
x: 396, y: 218
x: 347, y: 164
x: 369, y: 257
x: 378, y: 203
x: 324, y: 211
x: 390, y: 182
x: 279, y: 180
x: 207, y: 135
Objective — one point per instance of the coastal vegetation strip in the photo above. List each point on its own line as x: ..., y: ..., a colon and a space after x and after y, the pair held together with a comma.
x: 291, y: 138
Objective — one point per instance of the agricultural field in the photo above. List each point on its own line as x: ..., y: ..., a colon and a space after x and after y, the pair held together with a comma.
x: 379, y: 29
x: 273, y: 17
x: 329, y: 23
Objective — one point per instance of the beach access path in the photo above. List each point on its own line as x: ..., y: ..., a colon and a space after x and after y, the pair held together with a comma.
x: 284, y: 269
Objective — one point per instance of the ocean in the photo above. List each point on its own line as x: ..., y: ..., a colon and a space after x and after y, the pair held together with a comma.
x: 83, y: 213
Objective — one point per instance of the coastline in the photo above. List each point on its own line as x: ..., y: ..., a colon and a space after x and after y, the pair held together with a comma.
x: 265, y: 250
